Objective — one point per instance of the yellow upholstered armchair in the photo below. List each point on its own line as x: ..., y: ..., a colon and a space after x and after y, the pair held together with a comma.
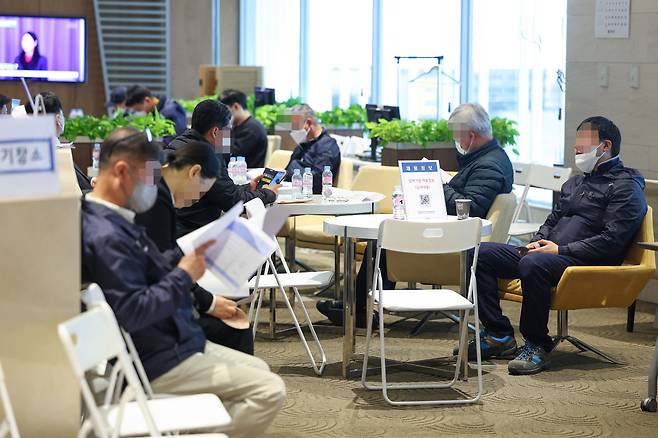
x: 589, y: 287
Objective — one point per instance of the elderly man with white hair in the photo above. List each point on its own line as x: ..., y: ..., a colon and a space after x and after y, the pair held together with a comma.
x: 485, y: 171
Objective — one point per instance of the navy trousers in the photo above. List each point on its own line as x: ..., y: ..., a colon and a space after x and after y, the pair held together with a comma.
x: 538, y: 272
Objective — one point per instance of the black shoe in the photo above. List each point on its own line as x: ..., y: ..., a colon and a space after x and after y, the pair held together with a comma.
x: 491, y: 347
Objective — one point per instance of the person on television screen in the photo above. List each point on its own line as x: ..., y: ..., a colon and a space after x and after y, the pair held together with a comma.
x: 30, y: 58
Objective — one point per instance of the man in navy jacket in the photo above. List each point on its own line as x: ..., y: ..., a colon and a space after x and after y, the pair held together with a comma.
x: 593, y: 223
x: 149, y: 291
x: 315, y: 147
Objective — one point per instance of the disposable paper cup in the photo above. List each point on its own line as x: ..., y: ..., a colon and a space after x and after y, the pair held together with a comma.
x: 463, y: 207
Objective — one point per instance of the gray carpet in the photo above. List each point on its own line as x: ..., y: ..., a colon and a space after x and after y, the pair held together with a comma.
x: 580, y: 396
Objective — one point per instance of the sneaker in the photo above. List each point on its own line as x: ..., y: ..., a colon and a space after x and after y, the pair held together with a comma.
x: 491, y: 347
x: 532, y: 359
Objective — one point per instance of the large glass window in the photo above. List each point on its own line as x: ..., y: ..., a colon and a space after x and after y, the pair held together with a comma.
x: 421, y: 28
x: 339, y: 53
x: 518, y: 56
x: 276, y: 45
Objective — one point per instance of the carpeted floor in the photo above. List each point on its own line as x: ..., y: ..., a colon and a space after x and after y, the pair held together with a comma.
x: 580, y: 396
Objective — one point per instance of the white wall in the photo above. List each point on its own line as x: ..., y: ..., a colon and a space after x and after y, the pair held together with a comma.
x: 635, y: 111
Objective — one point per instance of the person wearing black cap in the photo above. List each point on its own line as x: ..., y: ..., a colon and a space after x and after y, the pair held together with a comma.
x: 117, y: 103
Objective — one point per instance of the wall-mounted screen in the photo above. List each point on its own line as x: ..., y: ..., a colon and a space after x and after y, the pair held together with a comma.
x: 43, y: 48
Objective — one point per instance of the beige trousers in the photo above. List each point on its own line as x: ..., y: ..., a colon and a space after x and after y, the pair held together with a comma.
x: 251, y: 393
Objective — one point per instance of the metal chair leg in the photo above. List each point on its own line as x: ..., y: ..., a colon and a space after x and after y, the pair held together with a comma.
x: 318, y: 369
x: 563, y: 335
x: 630, y: 317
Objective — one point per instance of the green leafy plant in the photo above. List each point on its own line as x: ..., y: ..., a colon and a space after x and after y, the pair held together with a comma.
x: 434, y: 131
x: 101, y: 127
x: 354, y: 114
x: 504, y: 130
x: 189, y: 104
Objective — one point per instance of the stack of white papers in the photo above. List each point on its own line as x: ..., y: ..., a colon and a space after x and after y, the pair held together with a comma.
x: 241, y: 245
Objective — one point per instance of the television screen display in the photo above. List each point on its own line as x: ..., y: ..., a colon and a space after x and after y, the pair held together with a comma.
x: 42, y: 48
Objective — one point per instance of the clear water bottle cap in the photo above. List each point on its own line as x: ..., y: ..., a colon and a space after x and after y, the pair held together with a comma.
x: 297, y: 172
x: 307, y: 169
x: 232, y: 158
x: 398, y: 188
x: 240, y: 158
x: 327, y: 168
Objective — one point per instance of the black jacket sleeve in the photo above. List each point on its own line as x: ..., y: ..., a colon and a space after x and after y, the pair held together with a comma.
x: 225, y: 194
x: 482, y: 186
x: 622, y: 218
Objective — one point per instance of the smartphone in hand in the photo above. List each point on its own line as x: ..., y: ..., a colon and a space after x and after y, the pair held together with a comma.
x: 271, y: 177
x: 522, y: 250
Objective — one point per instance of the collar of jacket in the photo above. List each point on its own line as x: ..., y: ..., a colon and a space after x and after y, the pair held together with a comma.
x: 606, y: 166
x: 133, y: 230
x: 308, y: 144
x: 464, y: 160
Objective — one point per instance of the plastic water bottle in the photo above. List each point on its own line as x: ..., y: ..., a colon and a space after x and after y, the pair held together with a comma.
x: 297, y: 184
x: 231, y: 169
x: 96, y: 155
x: 242, y: 170
x: 327, y: 182
x: 398, y: 203
x: 307, y: 183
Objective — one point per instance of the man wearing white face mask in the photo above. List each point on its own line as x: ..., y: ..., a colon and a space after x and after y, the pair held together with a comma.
x: 149, y: 291
x: 315, y: 147
x: 53, y: 105
x: 592, y: 224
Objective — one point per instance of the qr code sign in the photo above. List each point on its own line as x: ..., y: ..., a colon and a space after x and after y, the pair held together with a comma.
x: 424, y: 199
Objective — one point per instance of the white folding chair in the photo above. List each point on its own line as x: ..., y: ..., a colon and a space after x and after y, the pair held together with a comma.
x: 91, y: 297
x: 8, y: 425
x: 288, y: 280
x: 438, y: 237
x: 537, y: 176
x: 94, y: 337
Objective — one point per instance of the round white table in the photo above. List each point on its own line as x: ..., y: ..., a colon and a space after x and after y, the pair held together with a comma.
x: 367, y: 227
x: 334, y: 208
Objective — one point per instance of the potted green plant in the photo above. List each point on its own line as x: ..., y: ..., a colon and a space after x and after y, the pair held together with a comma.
x: 431, y: 139
x: 85, y: 131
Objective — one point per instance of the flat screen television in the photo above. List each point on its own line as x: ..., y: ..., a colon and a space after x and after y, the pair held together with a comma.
x: 52, y: 49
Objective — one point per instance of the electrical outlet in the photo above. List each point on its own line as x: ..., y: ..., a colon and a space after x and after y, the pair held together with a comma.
x: 634, y: 76
x: 603, y: 75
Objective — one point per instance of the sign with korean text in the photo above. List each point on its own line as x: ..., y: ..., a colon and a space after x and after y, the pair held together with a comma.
x: 423, y: 189
x: 28, y: 165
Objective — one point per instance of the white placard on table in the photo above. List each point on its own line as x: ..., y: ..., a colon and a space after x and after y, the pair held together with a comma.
x: 422, y: 186
x: 28, y: 167
x: 612, y: 18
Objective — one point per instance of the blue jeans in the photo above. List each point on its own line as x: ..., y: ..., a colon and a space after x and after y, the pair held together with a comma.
x: 538, y: 272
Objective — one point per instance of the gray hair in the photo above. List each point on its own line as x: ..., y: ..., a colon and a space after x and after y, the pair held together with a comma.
x: 473, y: 117
x: 304, y: 110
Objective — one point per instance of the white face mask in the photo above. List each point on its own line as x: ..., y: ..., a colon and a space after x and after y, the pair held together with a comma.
x: 459, y: 148
x: 298, y: 135
x: 586, y: 161
x: 60, y: 122
x: 142, y: 198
